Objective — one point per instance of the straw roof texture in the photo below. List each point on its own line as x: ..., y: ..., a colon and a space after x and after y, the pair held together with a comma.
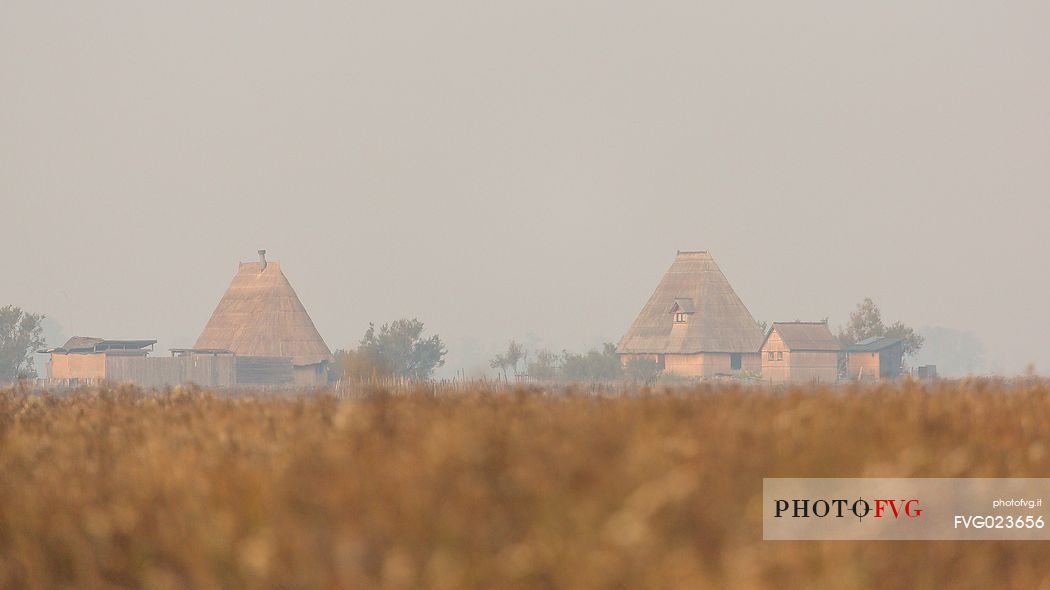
x: 806, y: 336
x: 719, y: 321
x: 260, y: 315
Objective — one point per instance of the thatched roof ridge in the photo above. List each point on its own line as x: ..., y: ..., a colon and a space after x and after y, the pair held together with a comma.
x: 260, y: 315
x: 719, y: 321
x: 805, y: 336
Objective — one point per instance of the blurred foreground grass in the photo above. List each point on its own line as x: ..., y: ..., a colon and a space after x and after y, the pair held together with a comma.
x: 492, y: 489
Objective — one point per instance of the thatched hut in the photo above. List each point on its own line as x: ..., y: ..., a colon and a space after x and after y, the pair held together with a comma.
x: 694, y: 324
x: 261, y: 316
x: 799, y: 352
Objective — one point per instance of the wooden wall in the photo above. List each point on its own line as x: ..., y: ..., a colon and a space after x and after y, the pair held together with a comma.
x: 885, y: 364
x: 77, y: 366
x: 752, y: 362
x: 776, y: 370
x: 685, y: 365
x: 264, y: 370
x: 204, y: 370
x: 312, y: 375
x: 866, y: 361
x: 805, y: 366
x: 709, y: 364
x: 799, y: 366
x: 890, y: 360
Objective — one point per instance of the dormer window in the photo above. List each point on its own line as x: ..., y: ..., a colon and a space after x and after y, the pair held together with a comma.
x: 681, y: 309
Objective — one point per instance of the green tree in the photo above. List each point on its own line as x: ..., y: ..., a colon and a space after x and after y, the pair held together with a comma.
x: 595, y: 365
x: 913, y: 341
x: 359, y: 364
x: 864, y: 322
x: 642, y: 370
x: 545, y: 366
x: 398, y: 349
x: 21, y: 334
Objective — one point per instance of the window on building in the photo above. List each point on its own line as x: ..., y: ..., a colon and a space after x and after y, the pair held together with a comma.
x: 735, y: 361
x: 780, y: 356
x: 772, y: 356
x: 679, y: 318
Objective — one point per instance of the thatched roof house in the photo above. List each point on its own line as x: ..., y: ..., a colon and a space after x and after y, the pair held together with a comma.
x: 261, y: 316
x: 694, y: 324
x: 799, y: 352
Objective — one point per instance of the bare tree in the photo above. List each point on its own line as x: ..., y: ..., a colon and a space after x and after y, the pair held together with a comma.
x: 514, y: 358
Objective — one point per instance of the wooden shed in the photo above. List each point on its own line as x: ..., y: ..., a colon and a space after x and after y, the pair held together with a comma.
x: 694, y: 325
x: 261, y: 316
x: 800, y: 352
x: 84, y: 359
x: 878, y: 357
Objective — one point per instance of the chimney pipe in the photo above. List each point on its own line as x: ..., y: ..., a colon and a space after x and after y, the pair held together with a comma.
x: 262, y: 260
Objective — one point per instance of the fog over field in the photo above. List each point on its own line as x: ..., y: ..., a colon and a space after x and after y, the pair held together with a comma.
x: 528, y: 170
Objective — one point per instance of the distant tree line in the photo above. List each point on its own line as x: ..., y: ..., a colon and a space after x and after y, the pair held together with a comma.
x: 597, y: 364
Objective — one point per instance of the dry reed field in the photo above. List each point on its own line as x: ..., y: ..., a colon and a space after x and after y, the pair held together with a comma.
x: 489, y: 488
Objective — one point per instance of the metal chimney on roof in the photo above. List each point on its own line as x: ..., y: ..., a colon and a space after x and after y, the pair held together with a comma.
x: 262, y: 260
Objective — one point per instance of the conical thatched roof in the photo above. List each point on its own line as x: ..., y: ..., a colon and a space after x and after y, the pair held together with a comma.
x: 260, y: 315
x: 717, y: 320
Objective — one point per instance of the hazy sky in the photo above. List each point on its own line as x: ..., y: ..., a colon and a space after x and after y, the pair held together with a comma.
x: 499, y: 169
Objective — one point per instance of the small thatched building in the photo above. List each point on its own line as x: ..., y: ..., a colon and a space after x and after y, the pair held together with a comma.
x: 799, y: 352
x: 694, y: 324
x: 261, y: 316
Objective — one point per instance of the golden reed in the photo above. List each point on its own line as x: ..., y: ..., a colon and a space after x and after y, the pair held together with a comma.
x: 485, y: 487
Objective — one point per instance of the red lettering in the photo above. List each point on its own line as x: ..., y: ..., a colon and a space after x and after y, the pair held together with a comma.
x: 878, y: 507
x: 912, y: 512
x: 896, y: 509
